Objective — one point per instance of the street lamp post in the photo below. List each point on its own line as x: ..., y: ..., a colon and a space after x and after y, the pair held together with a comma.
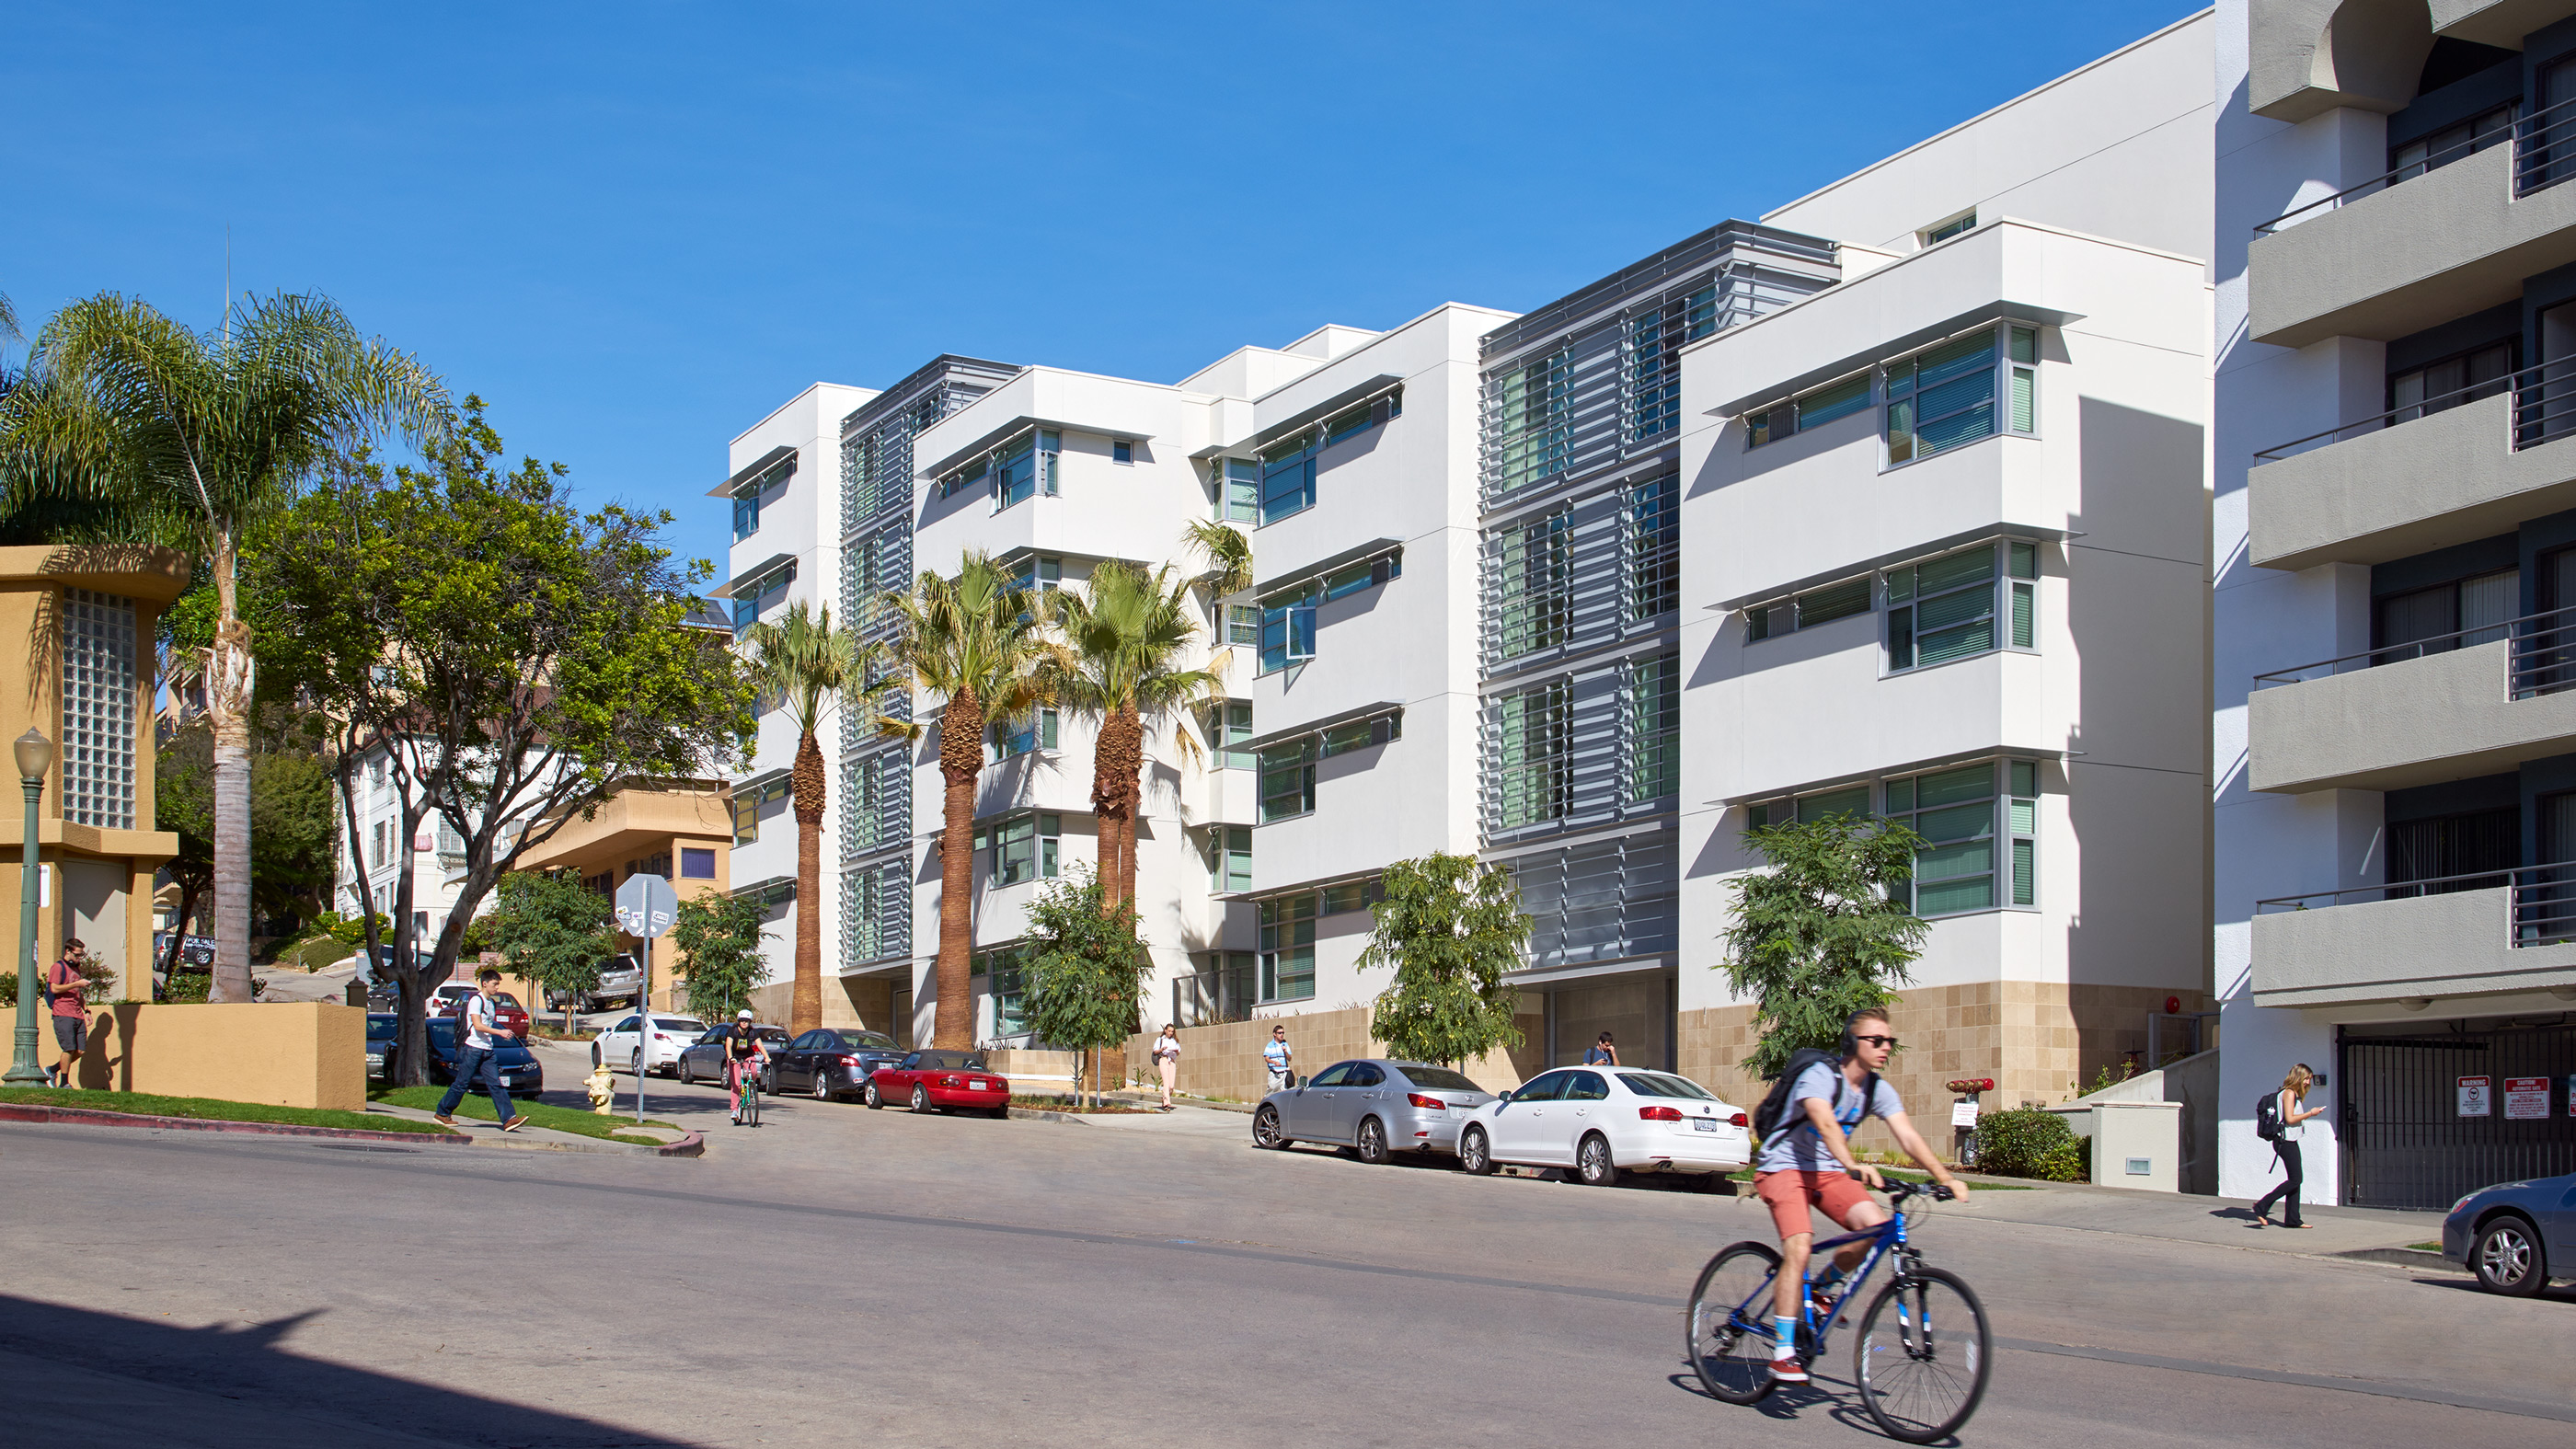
x: 34, y: 753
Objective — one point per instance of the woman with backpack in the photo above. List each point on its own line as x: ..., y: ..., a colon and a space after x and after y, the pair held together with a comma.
x: 2286, y: 1132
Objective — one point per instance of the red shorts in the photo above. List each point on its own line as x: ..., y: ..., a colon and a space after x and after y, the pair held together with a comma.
x: 1790, y: 1194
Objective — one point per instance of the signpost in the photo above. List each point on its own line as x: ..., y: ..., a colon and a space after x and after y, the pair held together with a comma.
x: 646, y: 907
x: 2477, y: 1098
x: 2526, y: 1098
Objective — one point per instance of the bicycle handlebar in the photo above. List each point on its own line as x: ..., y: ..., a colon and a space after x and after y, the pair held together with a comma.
x: 1898, y: 1190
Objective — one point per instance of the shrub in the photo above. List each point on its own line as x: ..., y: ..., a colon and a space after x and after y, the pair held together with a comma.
x: 2029, y: 1142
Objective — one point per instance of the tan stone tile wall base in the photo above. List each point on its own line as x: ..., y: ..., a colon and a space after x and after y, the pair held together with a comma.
x: 2035, y: 1039
x: 1224, y: 1061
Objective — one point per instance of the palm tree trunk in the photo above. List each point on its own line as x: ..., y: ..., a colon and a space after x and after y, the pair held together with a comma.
x: 805, y: 1005
x: 961, y: 764
x: 228, y: 696
x: 1116, y: 762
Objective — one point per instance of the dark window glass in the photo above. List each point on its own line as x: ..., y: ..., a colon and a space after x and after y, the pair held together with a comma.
x: 1364, y: 1075
x: 2456, y: 845
x: 1543, y: 1089
x: 1332, y: 1076
x: 1439, y: 1079
x: 1586, y: 1087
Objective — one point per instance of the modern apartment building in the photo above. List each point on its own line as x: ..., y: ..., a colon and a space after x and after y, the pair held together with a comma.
x: 2393, y: 739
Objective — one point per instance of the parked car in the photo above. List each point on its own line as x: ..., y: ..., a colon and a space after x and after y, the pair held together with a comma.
x: 449, y: 998
x: 2510, y: 1235
x: 196, y: 953
x: 1603, y: 1121
x: 380, y: 1045
x: 829, y: 1061
x: 945, y: 1080
x: 1374, y: 1107
x: 703, y: 1060
x: 629, y: 1044
x: 621, y: 980
x: 520, y: 1072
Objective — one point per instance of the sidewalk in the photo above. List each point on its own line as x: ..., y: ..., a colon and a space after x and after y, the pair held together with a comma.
x: 489, y: 1134
x: 2181, y: 1217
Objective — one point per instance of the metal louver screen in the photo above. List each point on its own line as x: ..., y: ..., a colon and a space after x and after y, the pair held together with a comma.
x: 1602, y: 901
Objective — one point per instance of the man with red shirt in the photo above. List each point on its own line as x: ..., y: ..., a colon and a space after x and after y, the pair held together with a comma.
x: 64, y: 985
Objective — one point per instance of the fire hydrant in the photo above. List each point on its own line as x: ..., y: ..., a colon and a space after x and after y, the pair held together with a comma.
x: 603, y: 1088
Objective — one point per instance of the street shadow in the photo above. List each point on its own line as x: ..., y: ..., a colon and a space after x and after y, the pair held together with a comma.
x: 2468, y: 1283
x: 121, y: 1380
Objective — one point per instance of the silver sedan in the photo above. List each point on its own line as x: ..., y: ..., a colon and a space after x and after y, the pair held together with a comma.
x: 1373, y: 1107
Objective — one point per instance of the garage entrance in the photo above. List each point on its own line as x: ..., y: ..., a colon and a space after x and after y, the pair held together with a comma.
x: 2406, y: 1143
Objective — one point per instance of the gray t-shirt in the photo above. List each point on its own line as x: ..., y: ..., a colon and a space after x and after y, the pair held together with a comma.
x: 1801, y: 1149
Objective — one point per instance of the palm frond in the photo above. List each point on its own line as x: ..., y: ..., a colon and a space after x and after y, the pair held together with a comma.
x: 805, y: 662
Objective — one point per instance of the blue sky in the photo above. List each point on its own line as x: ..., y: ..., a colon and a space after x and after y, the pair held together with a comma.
x: 637, y: 228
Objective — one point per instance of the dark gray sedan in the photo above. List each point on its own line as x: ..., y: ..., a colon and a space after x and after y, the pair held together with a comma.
x: 2515, y: 1236
x: 1373, y: 1108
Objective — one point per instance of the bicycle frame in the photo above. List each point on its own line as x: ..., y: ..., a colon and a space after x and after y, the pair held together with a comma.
x: 1883, y: 1239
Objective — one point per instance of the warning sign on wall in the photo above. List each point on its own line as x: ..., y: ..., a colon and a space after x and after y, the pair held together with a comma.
x: 2476, y: 1096
x: 2526, y: 1097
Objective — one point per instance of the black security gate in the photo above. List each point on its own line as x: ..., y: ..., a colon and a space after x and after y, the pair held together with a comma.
x: 2405, y: 1144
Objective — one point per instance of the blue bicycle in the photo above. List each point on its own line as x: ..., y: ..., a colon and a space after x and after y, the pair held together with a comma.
x: 1923, y: 1354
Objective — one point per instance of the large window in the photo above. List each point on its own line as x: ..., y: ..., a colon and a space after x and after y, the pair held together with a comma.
x: 876, y: 909
x: 1289, y: 465
x: 1228, y: 727
x: 1535, y: 577
x: 1229, y: 857
x: 2450, y: 382
x: 2452, y: 143
x: 1528, y: 750
x: 1023, y: 848
x: 1005, y: 979
x: 1221, y: 991
x: 1529, y: 420
x: 1956, y: 606
x: 1981, y: 846
x: 1288, y: 617
x: 747, y: 805
x: 1808, y: 410
x: 1288, y: 948
x: 754, y: 598
x: 1288, y: 780
x: 2432, y: 620
x: 100, y: 680
x: 1238, y: 490
x: 876, y: 802
x: 1654, y: 728
x: 1946, y: 396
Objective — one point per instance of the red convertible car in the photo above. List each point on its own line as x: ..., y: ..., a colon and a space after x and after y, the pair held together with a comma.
x: 945, y: 1080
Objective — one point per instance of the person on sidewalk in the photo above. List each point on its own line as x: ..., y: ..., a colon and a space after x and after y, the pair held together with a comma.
x: 1603, y: 1053
x: 1167, y: 1060
x: 1275, y: 1055
x: 2294, y: 1090
x: 478, y: 1053
x: 65, y: 989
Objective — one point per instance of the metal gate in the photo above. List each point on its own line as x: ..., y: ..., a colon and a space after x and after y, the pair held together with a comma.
x: 2405, y: 1144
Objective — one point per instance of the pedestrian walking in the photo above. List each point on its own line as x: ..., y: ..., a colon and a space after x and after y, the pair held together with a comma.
x: 1167, y: 1060
x: 480, y: 1052
x: 2285, y: 1147
x: 1602, y: 1053
x: 1275, y: 1054
x: 64, y: 990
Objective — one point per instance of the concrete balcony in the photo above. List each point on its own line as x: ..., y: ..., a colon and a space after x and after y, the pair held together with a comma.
x: 2404, y: 257
x: 2415, y: 951
x: 2406, y: 489
x: 2445, y: 716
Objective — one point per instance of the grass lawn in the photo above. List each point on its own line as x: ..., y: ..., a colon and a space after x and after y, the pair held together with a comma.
x: 1067, y: 1104
x: 212, y: 1110
x: 559, y: 1119
x: 2426, y: 1247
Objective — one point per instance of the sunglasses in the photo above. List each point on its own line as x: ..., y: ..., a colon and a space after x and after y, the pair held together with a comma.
x: 1878, y: 1041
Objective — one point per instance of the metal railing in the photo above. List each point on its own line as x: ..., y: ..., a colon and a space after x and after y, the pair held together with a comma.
x: 2541, y: 661
x: 2544, y: 154
x: 2544, y: 410
x: 2541, y: 911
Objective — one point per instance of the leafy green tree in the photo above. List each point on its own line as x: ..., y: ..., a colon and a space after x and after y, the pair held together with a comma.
x: 977, y: 642
x: 807, y: 665
x: 514, y: 662
x: 292, y: 816
x: 553, y: 930
x: 1451, y: 928
x: 718, y: 938
x: 1823, y: 933
x: 196, y: 439
x: 1083, y: 968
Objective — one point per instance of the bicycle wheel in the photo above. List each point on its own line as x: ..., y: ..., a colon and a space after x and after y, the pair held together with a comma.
x: 1728, y: 1333
x: 750, y: 1101
x: 1923, y: 1356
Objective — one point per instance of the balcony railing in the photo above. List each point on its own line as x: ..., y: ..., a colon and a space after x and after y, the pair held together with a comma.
x: 2544, y: 145
x: 2542, y: 660
x: 2540, y: 912
x: 2544, y: 410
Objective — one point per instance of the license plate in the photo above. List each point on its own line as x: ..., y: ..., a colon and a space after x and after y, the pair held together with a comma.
x: 1703, y: 1124
x: 980, y: 1086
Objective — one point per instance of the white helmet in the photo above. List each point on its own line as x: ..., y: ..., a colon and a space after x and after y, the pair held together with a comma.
x: 744, y: 1015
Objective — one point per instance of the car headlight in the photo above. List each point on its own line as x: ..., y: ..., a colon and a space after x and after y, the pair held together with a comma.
x: 2463, y: 1202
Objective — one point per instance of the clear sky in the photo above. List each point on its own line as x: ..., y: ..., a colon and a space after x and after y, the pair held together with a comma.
x: 636, y: 228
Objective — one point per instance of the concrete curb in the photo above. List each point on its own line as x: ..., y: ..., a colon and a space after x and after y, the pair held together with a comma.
x: 2402, y: 1257
x: 87, y: 1117
x: 693, y: 1145
x: 1040, y: 1114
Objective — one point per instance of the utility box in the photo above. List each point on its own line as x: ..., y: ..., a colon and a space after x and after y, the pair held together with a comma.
x: 2135, y: 1144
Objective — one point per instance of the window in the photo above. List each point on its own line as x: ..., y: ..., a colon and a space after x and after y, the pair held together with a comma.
x: 876, y: 792
x: 1229, y: 856
x: 1805, y: 611
x: 697, y: 863
x: 760, y: 593
x: 1939, y: 399
x: 1023, y: 848
x: 1654, y: 536
x: 1950, y: 607
x: 1808, y: 809
x: 1228, y: 726
x: 1956, y: 812
x: 1006, y: 980
x: 1243, y: 625
x: 746, y: 515
x: 1357, y: 895
x: 747, y: 805
x: 1026, y: 468
x: 1238, y: 490
x: 1288, y: 780
x: 1809, y: 410
x: 876, y: 911
x: 1529, y: 422
x: 1017, y: 737
x: 977, y: 474
x: 1220, y: 992
x: 1288, y: 948
x: 1654, y: 724
x: 2416, y: 623
x: 2443, y: 385
x: 1528, y: 753
x: 1360, y: 734
x: 1948, y: 229
x: 1536, y: 577
x: 1355, y: 421
x: 1288, y: 632
x: 1038, y: 573
x: 1288, y: 478
x: 2452, y: 143
x: 1121, y: 451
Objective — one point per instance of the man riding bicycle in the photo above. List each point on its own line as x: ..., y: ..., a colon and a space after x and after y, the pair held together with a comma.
x: 1806, y: 1162
x: 745, y: 1052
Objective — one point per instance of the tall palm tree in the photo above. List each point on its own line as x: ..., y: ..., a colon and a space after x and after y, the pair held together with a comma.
x: 1127, y: 632
x: 978, y: 642
x: 807, y: 665
x: 201, y: 438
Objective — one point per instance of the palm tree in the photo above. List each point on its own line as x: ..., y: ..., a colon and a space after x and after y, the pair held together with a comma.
x: 977, y: 641
x: 1228, y: 554
x: 1127, y: 632
x: 200, y: 438
x: 805, y: 663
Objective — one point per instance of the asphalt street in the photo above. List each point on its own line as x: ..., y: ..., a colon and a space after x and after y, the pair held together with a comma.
x: 843, y: 1276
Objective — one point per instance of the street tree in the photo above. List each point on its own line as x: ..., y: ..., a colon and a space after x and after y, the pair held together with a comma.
x: 977, y: 642
x: 293, y: 816
x: 1083, y: 969
x: 718, y: 941
x: 511, y: 661
x: 196, y: 439
x: 553, y: 930
x: 1823, y: 933
x: 808, y: 666
x: 1452, y: 929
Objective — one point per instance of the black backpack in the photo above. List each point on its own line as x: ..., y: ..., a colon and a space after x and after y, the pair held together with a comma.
x: 1774, y: 1115
x: 2267, y: 1117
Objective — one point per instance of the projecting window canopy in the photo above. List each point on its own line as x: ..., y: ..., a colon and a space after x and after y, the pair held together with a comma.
x: 761, y: 474
x: 1895, y: 349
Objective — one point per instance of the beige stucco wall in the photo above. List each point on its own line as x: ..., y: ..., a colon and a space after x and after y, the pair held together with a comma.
x: 2450, y: 478
x: 1225, y: 1061
x: 2441, y: 717
x: 286, y: 1054
x: 2428, y: 946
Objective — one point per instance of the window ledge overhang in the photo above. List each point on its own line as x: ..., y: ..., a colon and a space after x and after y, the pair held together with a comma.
x: 734, y: 586
x: 755, y: 474
x: 1777, y: 593
x: 1366, y: 390
x: 1999, y: 310
x: 1318, y: 726
x: 1358, y: 553
x: 1011, y: 428
x: 2057, y: 754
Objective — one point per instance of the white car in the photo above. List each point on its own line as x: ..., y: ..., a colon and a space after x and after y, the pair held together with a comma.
x: 630, y: 1044
x: 1602, y: 1121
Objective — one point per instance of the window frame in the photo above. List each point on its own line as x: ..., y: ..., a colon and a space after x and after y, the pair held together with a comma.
x: 1287, y: 938
x: 2011, y: 832
x: 1036, y: 733
x: 1296, y: 776
x: 2012, y: 611
x: 1941, y: 231
x: 2013, y: 390
x: 1227, y: 847
x: 1042, y: 831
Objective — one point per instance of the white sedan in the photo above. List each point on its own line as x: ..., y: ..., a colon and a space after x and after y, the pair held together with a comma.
x: 1602, y: 1121
x: 630, y: 1043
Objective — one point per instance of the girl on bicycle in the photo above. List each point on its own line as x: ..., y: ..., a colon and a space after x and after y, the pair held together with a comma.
x: 745, y: 1051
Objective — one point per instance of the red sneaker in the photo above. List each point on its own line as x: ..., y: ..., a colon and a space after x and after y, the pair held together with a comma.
x: 1788, y: 1371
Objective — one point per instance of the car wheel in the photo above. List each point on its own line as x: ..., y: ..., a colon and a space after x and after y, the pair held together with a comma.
x: 594, y: 1046
x: 688, y: 1078
x: 768, y: 1082
x: 920, y: 1098
x: 1473, y: 1153
x: 1592, y: 1161
x: 874, y: 1101
x: 2508, y: 1259
x: 1265, y: 1129
x: 821, y: 1086
x: 1372, y: 1143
